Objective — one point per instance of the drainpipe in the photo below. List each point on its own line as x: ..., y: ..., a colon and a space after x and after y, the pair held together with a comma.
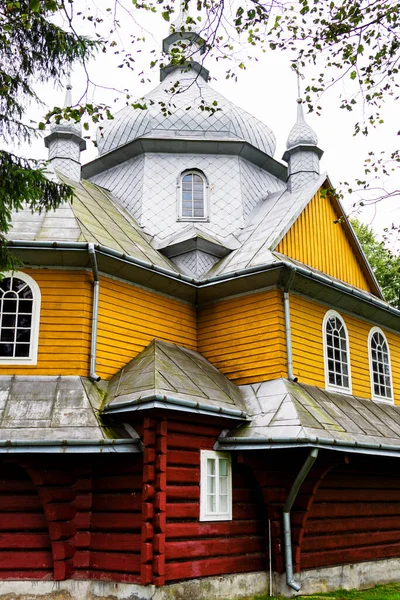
x: 286, y: 305
x: 305, y: 469
x: 95, y: 313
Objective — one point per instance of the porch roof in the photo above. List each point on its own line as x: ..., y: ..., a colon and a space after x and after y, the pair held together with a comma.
x: 286, y: 413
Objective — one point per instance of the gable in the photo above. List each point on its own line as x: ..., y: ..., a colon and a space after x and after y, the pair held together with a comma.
x: 318, y: 240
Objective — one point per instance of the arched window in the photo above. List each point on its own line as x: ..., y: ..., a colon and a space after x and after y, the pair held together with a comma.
x: 336, y: 349
x: 379, y: 364
x: 193, y: 205
x: 19, y: 319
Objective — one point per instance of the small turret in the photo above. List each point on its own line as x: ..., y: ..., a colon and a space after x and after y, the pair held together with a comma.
x: 187, y: 39
x: 302, y: 154
x: 65, y: 144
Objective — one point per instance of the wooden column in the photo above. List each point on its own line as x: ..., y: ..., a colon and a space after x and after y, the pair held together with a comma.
x: 154, y: 502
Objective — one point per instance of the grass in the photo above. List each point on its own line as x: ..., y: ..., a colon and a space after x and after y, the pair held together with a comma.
x: 380, y: 592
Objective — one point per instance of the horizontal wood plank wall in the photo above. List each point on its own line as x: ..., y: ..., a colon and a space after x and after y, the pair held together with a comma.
x: 25, y: 547
x: 355, y: 517
x: 130, y: 317
x: 115, y: 539
x: 316, y: 240
x: 200, y: 549
x: 65, y: 324
x: 308, y: 354
x: 244, y: 337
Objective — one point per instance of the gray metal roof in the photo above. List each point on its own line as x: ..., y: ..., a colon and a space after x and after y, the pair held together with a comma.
x: 93, y: 216
x: 186, y: 119
x: 166, y: 371
x: 294, y: 413
x: 51, y: 411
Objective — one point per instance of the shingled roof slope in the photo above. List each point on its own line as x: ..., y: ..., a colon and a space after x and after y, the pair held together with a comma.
x: 164, y: 369
x: 93, y: 216
x: 289, y: 412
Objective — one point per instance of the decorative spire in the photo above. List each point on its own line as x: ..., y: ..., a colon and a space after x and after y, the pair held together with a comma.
x: 65, y: 142
x: 187, y: 39
x: 302, y: 154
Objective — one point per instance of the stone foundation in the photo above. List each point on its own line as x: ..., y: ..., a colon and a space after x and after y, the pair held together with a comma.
x: 225, y: 587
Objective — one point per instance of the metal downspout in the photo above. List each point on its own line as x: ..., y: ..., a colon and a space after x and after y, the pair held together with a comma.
x: 286, y: 304
x: 305, y: 469
x: 95, y: 312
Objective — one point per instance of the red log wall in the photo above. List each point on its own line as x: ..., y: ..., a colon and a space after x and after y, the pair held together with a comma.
x: 355, y: 515
x: 199, y: 549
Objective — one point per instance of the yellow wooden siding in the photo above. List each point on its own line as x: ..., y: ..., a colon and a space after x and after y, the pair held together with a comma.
x: 130, y: 317
x: 316, y: 240
x: 308, y: 353
x: 65, y: 324
x: 244, y: 337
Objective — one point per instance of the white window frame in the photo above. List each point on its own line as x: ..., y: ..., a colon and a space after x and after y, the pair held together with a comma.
x: 205, y: 198
x: 33, y: 346
x: 330, y: 386
x: 205, y: 515
x: 374, y: 396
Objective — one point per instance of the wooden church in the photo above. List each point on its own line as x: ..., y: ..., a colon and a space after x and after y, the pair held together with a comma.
x: 199, y: 377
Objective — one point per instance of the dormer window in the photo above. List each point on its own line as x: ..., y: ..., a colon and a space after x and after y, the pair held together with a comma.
x: 193, y: 201
x: 19, y: 319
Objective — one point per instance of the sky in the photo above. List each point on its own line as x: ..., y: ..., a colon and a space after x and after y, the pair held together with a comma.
x: 266, y: 88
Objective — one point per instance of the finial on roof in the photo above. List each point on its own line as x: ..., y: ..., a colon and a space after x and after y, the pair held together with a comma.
x: 302, y: 154
x: 188, y: 39
x: 68, y: 93
x: 65, y: 142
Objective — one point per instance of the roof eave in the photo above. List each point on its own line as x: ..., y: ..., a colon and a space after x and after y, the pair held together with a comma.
x: 75, y: 446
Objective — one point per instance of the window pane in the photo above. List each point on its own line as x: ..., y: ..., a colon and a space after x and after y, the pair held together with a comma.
x: 211, y: 466
x: 7, y: 335
x: 9, y: 306
x: 211, y: 504
x: 337, y: 353
x: 6, y: 350
x: 5, y: 284
x: 23, y: 320
x: 22, y: 350
x: 380, y: 366
x: 8, y: 321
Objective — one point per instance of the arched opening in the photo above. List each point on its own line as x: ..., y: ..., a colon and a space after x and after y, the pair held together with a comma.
x: 25, y: 547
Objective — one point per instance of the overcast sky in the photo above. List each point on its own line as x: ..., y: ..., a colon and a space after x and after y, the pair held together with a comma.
x: 267, y: 88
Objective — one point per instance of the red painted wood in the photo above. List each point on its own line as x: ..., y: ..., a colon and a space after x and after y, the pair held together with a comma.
x: 23, y: 541
x: 214, y: 566
x: 115, y: 561
x: 123, y: 542
x: 349, y: 540
x: 26, y: 574
x: 20, y: 503
x: 354, y: 509
x: 224, y: 528
x: 26, y: 560
x: 183, y: 492
x: 183, y: 475
x: 23, y: 522
x: 183, y: 457
x: 117, y: 502
x: 116, y: 522
x: 352, y: 524
x: 186, y: 442
x: 118, y: 482
x: 213, y: 547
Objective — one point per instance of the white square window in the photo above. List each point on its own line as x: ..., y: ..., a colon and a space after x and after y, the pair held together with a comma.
x: 215, y: 486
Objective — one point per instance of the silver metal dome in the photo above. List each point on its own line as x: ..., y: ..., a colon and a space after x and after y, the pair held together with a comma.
x: 187, y: 120
x: 301, y: 133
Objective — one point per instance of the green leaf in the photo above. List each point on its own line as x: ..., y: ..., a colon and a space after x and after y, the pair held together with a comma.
x: 353, y: 75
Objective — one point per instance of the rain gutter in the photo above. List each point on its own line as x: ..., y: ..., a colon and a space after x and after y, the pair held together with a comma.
x: 288, y: 333
x: 202, y: 284
x: 95, y: 313
x: 70, y: 446
x: 268, y: 443
x: 161, y: 401
x: 305, y: 469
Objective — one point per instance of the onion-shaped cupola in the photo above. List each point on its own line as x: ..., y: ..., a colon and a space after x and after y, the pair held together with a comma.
x: 302, y: 153
x: 65, y: 143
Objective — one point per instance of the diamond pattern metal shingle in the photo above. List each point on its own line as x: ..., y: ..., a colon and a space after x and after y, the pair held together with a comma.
x: 187, y: 118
